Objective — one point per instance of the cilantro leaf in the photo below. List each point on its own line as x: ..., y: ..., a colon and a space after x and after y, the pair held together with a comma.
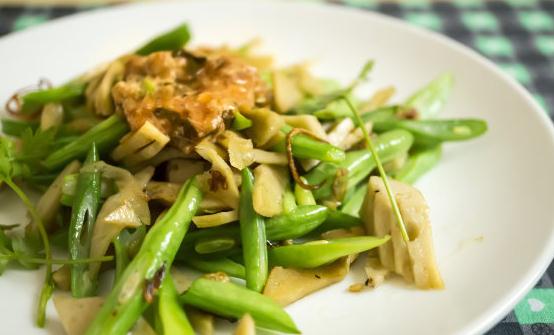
x: 24, y: 249
x: 35, y: 146
x: 9, y: 167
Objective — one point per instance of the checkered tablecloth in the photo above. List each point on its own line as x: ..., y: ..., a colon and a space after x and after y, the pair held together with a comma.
x: 518, y: 35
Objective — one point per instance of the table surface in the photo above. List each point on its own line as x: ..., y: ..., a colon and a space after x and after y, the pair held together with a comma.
x: 518, y: 35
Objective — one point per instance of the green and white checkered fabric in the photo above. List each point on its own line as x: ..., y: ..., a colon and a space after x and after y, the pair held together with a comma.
x: 518, y: 35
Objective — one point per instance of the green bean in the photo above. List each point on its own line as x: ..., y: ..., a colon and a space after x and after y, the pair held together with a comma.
x: 305, y: 147
x: 230, y: 253
x: 380, y: 114
x: 170, y: 316
x: 428, y: 132
x: 105, y: 134
x: 289, y: 202
x: 418, y: 164
x: 334, y: 110
x: 211, y: 245
x: 252, y: 233
x: 126, y: 245
x: 360, y: 163
x: 429, y: 100
x: 121, y: 255
x: 61, y: 142
x: 318, y: 253
x: 107, y: 188
x: 172, y: 40
x: 41, y: 181
x: 83, y: 215
x: 302, y: 195
x: 298, y: 223
x: 241, y: 122
x: 134, y: 240
x: 338, y: 220
x: 354, y: 203
x: 15, y: 128
x: 126, y: 302
x: 295, y: 224
x: 225, y: 231
x: 233, y: 301
x: 33, y: 101
x: 208, y: 265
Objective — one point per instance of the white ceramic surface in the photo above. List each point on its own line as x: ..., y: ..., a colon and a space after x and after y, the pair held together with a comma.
x: 491, y: 199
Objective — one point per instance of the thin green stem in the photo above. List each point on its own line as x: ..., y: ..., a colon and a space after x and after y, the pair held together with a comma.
x: 371, y: 147
x: 37, y: 260
x: 47, y: 287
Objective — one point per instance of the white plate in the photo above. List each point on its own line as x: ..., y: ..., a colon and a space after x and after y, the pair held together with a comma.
x: 497, y: 188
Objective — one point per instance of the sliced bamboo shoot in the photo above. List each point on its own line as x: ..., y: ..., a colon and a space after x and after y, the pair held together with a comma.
x: 179, y: 170
x: 269, y: 188
x: 219, y: 180
x: 269, y: 157
x: 246, y: 326
x: 286, y: 91
x: 76, y: 314
x: 415, y: 259
x: 286, y: 285
x: 140, y: 145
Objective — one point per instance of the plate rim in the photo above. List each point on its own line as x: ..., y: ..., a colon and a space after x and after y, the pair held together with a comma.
x: 501, y: 307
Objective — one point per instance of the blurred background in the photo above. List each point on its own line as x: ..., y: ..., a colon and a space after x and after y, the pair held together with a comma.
x: 517, y: 35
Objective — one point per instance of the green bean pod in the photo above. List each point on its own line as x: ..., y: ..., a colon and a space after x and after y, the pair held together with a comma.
x: 170, y: 316
x: 429, y: 100
x: 126, y: 302
x: 360, y: 163
x: 338, y: 220
x: 233, y: 301
x: 297, y: 223
x: 354, y: 203
x: 317, y: 253
x: 212, y: 245
x: 336, y: 109
x: 289, y: 201
x: 172, y: 40
x: 303, y: 196
x: 380, y: 114
x: 228, y: 231
x: 106, y: 134
x: 15, y: 128
x: 429, y: 132
x: 33, y: 101
x: 253, y: 237
x: 418, y: 164
x: 225, y: 231
x: 240, y: 122
x: 126, y: 245
x: 85, y: 207
x: 121, y: 256
x: 208, y: 265
x: 305, y: 147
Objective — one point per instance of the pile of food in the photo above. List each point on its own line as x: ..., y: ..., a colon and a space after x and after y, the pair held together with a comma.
x: 270, y: 181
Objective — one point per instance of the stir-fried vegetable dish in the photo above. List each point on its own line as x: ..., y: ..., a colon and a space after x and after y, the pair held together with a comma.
x: 270, y: 181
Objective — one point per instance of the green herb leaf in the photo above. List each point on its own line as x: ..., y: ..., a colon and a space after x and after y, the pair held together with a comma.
x: 8, y: 165
x: 24, y: 248
x: 35, y: 146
